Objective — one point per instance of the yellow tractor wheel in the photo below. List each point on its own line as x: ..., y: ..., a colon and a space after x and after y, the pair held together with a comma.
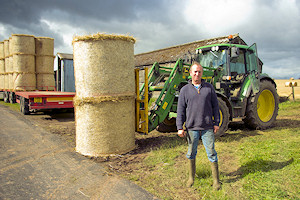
x: 263, y: 109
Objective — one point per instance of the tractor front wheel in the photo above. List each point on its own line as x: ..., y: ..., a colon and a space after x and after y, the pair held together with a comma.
x: 224, y: 118
x: 262, y: 109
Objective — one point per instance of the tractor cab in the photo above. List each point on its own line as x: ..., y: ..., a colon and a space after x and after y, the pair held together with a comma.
x: 233, y: 70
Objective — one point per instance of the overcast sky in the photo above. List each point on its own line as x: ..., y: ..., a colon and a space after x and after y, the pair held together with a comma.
x: 274, y: 25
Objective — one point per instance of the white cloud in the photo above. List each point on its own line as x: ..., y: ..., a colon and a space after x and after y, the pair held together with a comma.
x: 217, y: 16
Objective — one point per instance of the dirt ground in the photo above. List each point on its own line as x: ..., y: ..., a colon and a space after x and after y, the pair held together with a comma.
x: 63, y: 124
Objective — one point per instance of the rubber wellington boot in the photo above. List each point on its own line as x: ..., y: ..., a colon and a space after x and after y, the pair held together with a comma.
x: 192, y: 172
x: 215, y: 175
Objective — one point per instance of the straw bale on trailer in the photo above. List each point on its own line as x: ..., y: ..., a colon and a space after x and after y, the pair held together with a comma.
x: 2, y: 73
x: 45, y: 82
x: 24, y: 72
x: 44, y: 46
x: 22, y: 44
x: 6, y: 48
x: 2, y: 65
x: 2, y: 50
x: 44, y: 63
x: 24, y: 81
x: 23, y: 63
x: 22, y: 51
x: 10, y: 72
x: 104, y: 102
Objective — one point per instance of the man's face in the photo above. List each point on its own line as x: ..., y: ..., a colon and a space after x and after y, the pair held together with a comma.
x: 196, y: 73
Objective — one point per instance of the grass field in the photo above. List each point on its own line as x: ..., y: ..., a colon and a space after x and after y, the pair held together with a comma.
x: 254, y: 164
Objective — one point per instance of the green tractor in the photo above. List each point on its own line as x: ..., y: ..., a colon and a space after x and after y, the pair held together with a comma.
x: 235, y: 72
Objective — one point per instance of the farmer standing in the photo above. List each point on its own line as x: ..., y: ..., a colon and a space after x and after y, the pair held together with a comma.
x: 198, y: 109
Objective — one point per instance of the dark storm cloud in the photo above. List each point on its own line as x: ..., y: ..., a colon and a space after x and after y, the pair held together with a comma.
x: 116, y: 16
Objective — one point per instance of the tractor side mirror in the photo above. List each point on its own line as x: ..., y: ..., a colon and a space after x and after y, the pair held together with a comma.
x: 235, y: 52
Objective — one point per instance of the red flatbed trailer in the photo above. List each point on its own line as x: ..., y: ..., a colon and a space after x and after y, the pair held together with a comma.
x: 43, y: 100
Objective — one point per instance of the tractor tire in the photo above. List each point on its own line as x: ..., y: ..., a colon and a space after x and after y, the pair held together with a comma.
x: 167, y: 126
x: 262, y: 109
x: 224, y: 118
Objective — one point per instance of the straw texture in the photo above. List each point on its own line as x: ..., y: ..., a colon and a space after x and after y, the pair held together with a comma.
x: 45, y: 82
x: 44, y: 64
x: 6, y: 48
x: 2, y: 50
x: 24, y: 81
x: 23, y: 63
x: 105, y: 128
x: 2, y: 73
x: 104, y: 103
x: 23, y: 44
x: 44, y: 46
x: 9, y: 71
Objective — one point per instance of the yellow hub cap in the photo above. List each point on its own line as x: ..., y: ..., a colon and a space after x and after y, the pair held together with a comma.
x: 265, y: 105
x: 221, y: 119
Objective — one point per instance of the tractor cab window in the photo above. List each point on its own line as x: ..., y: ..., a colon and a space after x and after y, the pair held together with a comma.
x: 213, y: 59
x: 237, y: 64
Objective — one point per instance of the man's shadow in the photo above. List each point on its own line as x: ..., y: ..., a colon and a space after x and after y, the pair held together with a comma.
x: 254, y: 166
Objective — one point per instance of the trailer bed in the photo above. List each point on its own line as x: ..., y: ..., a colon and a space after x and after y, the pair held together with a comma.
x: 44, y: 100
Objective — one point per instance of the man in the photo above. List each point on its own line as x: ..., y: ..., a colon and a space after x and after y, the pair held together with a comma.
x: 198, y: 108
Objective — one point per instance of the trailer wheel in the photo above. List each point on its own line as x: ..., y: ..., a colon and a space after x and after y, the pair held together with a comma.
x: 224, y: 118
x: 12, y: 97
x: 24, y: 106
x: 6, y: 97
x: 262, y: 109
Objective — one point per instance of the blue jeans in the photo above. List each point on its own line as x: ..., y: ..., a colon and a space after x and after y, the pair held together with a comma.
x: 208, y: 140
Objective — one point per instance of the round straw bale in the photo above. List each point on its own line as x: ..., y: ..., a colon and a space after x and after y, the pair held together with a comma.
x: 24, y: 81
x: 44, y: 46
x: 10, y: 80
x: 44, y: 64
x: 10, y: 44
x: 22, y: 44
x: 2, y: 66
x: 45, y: 82
x: 104, y: 103
x: 2, y: 50
x: 6, y: 48
x: 101, y: 62
x: 2, y: 81
x: 5, y: 85
x: 105, y: 128
x: 10, y: 71
x: 2, y: 73
x: 23, y: 63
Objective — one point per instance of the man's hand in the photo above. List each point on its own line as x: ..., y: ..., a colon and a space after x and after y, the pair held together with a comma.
x: 216, y: 129
x: 181, y: 133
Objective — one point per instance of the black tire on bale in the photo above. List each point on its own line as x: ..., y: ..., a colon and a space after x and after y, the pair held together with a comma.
x: 224, y: 118
x: 262, y: 109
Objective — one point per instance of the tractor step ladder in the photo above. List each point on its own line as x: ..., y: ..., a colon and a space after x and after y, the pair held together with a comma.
x: 141, y: 111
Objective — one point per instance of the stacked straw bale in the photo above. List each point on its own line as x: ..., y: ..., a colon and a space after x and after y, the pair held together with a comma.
x: 44, y: 63
x: 6, y: 64
x: 2, y: 65
x: 105, y: 94
x: 22, y: 49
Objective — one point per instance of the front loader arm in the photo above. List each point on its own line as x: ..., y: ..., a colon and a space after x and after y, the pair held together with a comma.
x: 167, y: 95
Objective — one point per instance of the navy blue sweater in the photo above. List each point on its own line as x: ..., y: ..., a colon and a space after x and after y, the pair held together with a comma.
x: 199, y: 109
